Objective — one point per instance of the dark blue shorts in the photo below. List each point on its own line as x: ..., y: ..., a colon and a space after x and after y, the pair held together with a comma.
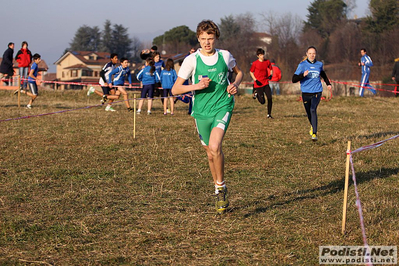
x: 167, y: 92
x: 147, y: 89
x: 106, y: 90
x: 33, y: 88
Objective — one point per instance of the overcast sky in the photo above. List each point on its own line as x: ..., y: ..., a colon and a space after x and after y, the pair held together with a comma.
x: 50, y: 25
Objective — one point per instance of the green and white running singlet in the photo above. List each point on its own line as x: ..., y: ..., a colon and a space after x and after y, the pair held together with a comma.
x: 212, y: 107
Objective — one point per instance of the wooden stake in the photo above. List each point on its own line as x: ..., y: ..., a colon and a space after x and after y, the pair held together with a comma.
x: 346, y: 187
x: 19, y: 91
x: 134, y: 116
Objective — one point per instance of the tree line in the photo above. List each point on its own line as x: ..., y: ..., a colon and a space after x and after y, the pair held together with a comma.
x: 337, y: 37
x: 112, y: 39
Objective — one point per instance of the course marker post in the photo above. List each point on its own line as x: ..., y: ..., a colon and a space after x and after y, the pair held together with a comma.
x: 348, y: 155
x: 134, y: 114
x: 134, y: 117
x: 19, y: 91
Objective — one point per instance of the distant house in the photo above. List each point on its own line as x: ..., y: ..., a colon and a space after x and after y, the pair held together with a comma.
x: 80, y: 67
x: 43, y: 67
x: 49, y: 81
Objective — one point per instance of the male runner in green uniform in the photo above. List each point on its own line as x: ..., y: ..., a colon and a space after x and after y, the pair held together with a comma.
x: 213, y: 100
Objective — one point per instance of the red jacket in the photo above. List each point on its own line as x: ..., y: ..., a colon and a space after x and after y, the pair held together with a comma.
x: 23, y: 57
x: 276, y: 73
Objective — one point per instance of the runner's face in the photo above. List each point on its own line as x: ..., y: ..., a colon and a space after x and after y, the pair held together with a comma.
x: 125, y: 63
x: 114, y: 60
x: 311, y: 54
x: 207, y: 42
x: 362, y: 52
x: 261, y: 57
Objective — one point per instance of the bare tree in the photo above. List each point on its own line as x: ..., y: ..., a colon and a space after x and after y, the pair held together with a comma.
x: 286, y: 27
x: 344, y: 43
x: 350, y: 6
x: 136, y: 46
x: 238, y: 36
x: 286, y: 30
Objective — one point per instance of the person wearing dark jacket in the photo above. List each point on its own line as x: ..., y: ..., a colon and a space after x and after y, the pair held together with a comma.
x: 395, y: 76
x: 24, y: 58
x: 148, y: 53
x: 6, y: 66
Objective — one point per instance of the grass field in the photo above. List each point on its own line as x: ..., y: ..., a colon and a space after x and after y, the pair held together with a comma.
x: 77, y: 189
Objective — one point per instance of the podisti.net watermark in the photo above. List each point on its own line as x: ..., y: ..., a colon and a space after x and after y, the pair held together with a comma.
x: 358, y: 255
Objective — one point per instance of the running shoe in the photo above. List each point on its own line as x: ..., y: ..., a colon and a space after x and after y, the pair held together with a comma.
x: 90, y: 91
x: 314, y: 137
x: 270, y: 116
x: 104, y: 99
x: 148, y: 112
x: 167, y: 111
x: 130, y: 109
x: 311, y: 130
x: 29, y: 106
x: 138, y: 111
x: 109, y: 109
x: 221, y: 200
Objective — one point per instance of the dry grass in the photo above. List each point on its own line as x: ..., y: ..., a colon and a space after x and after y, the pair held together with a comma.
x: 77, y: 189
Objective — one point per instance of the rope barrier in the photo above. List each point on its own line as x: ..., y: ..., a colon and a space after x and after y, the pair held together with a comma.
x: 137, y: 85
x: 358, y: 202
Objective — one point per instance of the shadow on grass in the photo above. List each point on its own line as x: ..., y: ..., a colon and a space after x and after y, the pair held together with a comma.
x: 296, y: 115
x: 335, y: 186
x: 379, y: 135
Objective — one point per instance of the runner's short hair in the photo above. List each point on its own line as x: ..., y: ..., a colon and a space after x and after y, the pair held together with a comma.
x: 36, y: 56
x: 260, y: 51
x: 208, y: 26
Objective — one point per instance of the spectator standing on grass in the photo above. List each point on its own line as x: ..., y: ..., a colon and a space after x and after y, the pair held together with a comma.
x: 159, y: 65
x: 308, y: 73
x: 6, y: 66
x: 261, y: 72
x: 213, y: 100
x: 168, y: 77
x: 32, y: 81
x: 365, y: 63
x: 395, y: 75
x: 24, y: 59
x: 120, y: 74
x: 104, y: 75
x: 274, y: 82
x: 148, y: 77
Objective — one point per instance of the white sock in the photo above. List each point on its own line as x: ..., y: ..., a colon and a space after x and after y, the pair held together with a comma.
x: 219, y: 185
